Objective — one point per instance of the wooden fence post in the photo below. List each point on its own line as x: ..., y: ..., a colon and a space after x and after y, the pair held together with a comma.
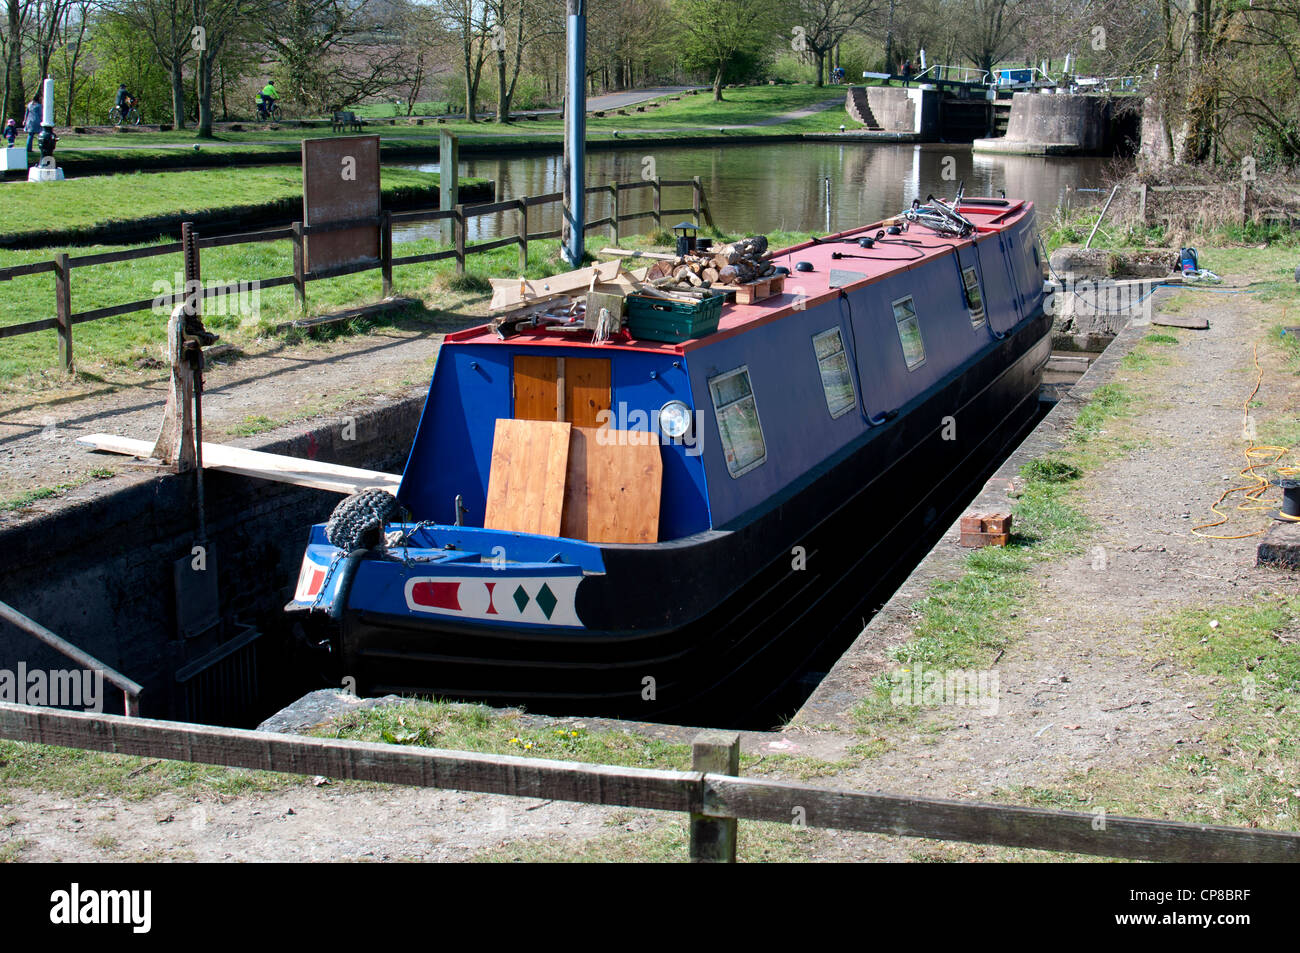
x: 658, y: 204
x: 713, y: 839
x: 299, y: 267
x: 613, y: 213
x: 1245, y: 202
x: 386, y: 250
x: 63, y: 308
x: 1142, y: 205
x: 458, y: 226
x: 521, y: 222
x: 448, y: 174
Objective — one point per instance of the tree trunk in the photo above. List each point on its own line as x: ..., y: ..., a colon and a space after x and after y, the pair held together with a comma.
x: 717, y: 85
x: 203, y: 87
x: 15, y: 102
x: 503, y: 99
x: 178, y: 91
x: 820, y: 56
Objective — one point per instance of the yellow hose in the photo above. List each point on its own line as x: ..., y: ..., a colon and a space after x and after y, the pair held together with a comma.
x: 1256, y: 485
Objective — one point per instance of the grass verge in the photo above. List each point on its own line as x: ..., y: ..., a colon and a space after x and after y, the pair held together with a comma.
x: 965, y: 623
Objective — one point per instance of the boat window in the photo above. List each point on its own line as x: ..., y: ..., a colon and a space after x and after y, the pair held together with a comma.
x: 909, y: 332
x: 834, y: 366
x: 738, y: 424
x: 974, y: 300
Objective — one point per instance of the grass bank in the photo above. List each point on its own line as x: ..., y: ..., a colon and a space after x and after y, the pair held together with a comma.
x: 124, y: 345
x: 79, y: 211
x: 678, y: 117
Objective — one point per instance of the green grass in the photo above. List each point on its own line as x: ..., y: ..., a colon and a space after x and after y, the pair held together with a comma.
x: 690, y: 116
x: 966, y: 622
x: 1245, y: 771
x: 76, y: 773
x: 478, y: 728
x: 78, y: 205
x: 116, y: 348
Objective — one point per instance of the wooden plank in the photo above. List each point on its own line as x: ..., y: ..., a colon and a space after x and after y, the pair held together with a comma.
x: 710, y: 794
x: 613, y: 486
x: 315, y: 474
x: 512, y: 292
x: 648, y: 788
x: 28, y: 327
x: 16, y: 271
x: 1177, y: 321
x: 526, y: 482
x: 1005, y: 826
x: 536, y: 389
x: 586, y: 390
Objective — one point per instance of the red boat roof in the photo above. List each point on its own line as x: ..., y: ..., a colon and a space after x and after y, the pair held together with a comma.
x: 913, y: 248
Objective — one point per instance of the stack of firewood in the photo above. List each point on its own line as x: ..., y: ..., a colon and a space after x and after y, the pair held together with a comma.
x: 734, y: 264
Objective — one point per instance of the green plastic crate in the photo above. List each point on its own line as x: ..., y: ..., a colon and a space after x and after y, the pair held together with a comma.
x: 658, y: 319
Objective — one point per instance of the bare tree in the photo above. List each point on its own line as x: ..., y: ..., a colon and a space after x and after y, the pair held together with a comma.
x: 989, y: 30
x: 516, y: 25
x: 335, y: 53
x: 169, y: 26
x: 469, y: 21
x: 825, y: 23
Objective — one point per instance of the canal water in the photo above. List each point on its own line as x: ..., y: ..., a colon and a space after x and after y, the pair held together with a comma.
x: 779, y: 186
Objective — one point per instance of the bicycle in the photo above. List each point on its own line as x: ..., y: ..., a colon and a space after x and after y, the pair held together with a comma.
x: 132, y: 117
x: 268, y: 112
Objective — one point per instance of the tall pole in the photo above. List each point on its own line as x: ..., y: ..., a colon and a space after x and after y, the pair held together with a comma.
x: 575, y: 133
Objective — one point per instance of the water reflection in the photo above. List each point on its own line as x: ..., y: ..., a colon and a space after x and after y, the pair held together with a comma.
x: 761, y: 188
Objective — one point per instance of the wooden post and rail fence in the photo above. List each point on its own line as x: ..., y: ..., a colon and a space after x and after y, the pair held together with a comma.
x: 62, y: 264
x: 712, y: 794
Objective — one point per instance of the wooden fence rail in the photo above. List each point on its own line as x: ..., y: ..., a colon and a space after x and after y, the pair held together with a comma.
x: 712, y: 794
x: 63, y: 265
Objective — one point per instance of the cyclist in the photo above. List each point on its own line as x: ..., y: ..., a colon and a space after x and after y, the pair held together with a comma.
x: 124, y: 101
x: 266, y: 99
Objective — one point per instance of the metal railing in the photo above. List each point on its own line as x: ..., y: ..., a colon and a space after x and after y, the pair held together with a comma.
x: 131, y: 690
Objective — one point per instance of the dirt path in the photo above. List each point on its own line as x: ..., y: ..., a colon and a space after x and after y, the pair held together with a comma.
x: 1083, y: 686
x: 271, y: 386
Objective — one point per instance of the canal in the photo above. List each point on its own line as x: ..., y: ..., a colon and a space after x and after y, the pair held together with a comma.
x: 781, y: 186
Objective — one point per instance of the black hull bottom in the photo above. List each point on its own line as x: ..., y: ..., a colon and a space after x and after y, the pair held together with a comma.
x: 740, y: 663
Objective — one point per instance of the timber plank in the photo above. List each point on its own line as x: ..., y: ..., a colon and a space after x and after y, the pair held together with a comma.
x: 648, y: 788
x: 976, y: 823
x: 265, y: 466
x: 613, y: 486
x: 526, y: 482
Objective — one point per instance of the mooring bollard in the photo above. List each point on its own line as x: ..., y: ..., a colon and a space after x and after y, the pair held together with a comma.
x: 713, y: 839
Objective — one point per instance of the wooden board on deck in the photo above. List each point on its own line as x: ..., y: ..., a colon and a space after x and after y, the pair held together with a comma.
x: 613, y: 486
x: 266, y: 466
x: 526, y: 482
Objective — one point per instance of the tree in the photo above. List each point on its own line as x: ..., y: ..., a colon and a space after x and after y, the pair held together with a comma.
x: 717, y: 35
x: 989, y: 30
x: 169, y: 27
x: 825, y: 22
x: 216, y: 24
x: 335, y: 53
x: 516, y: 25
x: 468, y: 21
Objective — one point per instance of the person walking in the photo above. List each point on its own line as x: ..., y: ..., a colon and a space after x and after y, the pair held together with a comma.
x: 907, y: 72
x: 32, y: 122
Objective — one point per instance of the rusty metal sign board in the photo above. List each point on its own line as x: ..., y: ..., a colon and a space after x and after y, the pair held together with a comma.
x: 340, y: 182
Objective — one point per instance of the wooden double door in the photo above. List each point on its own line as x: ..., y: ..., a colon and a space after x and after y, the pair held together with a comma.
x: 573, y: 389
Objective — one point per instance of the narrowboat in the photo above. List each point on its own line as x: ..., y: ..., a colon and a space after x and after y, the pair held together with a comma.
x: 652, y: 528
